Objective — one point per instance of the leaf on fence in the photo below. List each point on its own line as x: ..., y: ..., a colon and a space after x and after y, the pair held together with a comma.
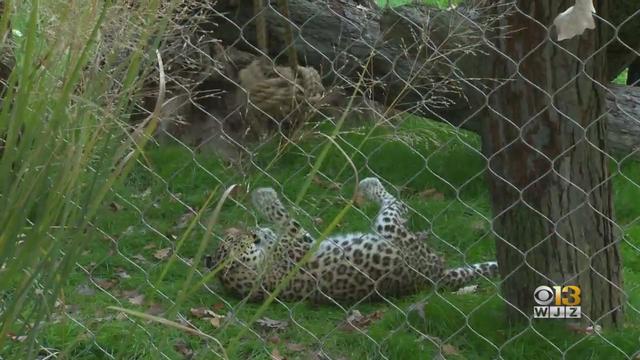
x: 356, y: 320
x: 183, y: 349
x: 162, y: 254
x: 271, y: 324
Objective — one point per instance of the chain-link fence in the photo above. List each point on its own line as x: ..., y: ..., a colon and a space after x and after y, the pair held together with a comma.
x: 487, y: 135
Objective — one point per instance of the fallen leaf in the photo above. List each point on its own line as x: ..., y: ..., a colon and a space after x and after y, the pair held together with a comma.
x: 16, y: 338
x: 293, y: 347
x: 183, y: 221
x: 448, y: 349
x: 137, y: 300
x: 198, y: 312
x: 106, y: 284
x: 584, y: 329
x: 356, y: 320
x: 478, y: 225
x: 467, y: 290
x: 271, y: 324
x: 419, y: 309
x: 359, y: 200
x: 217, y: 306
x: 326, y: 183
x: 431, y: 194
x: 133, y: 296
x: 155, y: 309
x: 183, y: 349
x: 85, y: 290
x: 150, y: 246
x: 274, y: 339
x: 162, y: 254
x: 275, y: 354
x: 114, y: 206
x: 122, y: 273
x: 215, y: 321
x: 318, y: 221
x: 140, y: 258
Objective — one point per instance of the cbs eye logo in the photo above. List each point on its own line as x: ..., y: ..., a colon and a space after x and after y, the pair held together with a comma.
x: 557, y: 295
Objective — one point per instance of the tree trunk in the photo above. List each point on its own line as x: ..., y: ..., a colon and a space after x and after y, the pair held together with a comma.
x: 339, y: 35
x: 633, y: 76
x: 548, y: 172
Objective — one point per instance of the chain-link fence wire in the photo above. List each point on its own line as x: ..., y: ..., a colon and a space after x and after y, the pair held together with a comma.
x: 371, y: 96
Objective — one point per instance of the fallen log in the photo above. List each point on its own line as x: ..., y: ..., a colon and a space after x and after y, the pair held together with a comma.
x: 339, y: 37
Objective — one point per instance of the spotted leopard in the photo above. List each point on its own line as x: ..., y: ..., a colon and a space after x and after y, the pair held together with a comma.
x: 389, y: 261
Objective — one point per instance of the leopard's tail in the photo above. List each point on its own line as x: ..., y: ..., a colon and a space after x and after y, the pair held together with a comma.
x: 457, y: 277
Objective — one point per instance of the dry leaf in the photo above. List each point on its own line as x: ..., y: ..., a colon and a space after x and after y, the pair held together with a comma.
x: 466, y: 290
x: 217, y: 306
x: 275, y: 355
x: 359, y: 200
x: 114, y: 206
x: 137, y: 300
x: 199, y: 312
x: 448, y: 349
x: 183, y: 349
x: 183, y: 221
x: 85, y: 290
x: 215, y: 321
x: 140, y: 258
x: 478, y: 225
x: 293, y: 347
x: 149, y: 246
x: 419, y: 308
x: 584, y: 329
x: 122, y: 273
x: 106, y: 284
x: 274, y: 339
x: 16, y: 338
x: 318, y: 221
x: 155, y: 309
x: 162, y: 254
x: 431, y: 194
x: 356, y: 320
x: 271, y: 324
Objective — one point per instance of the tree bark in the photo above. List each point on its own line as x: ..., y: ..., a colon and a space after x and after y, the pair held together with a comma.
x: 548, y: 170
x: 336, y: 36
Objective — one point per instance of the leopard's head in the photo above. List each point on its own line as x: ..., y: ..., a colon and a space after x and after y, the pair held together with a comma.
x: 245, y: 247
x: 371, y: 189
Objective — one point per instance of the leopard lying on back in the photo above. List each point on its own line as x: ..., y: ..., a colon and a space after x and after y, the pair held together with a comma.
x: 390, y: 261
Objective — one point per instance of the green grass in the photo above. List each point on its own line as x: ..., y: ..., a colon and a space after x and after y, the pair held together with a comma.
x: 414, y: 157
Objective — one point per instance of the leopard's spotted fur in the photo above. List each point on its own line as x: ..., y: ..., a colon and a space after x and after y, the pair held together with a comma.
x: 390, y: 261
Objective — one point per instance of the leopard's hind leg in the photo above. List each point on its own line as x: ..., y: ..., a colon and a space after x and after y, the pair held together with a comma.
x: 457, y: 277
